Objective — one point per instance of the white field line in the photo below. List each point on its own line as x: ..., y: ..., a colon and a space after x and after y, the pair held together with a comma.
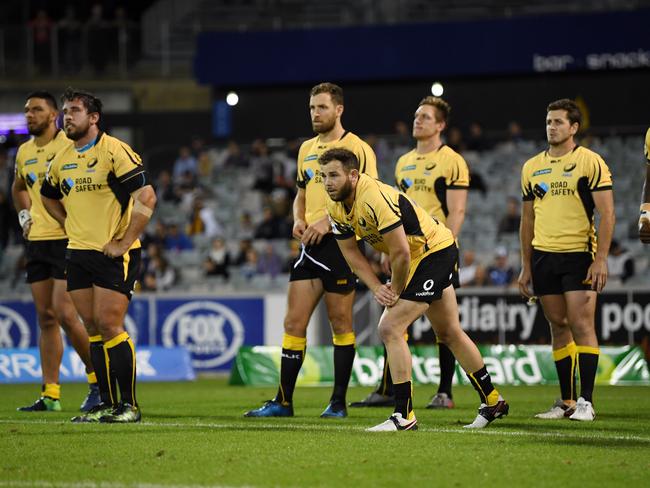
x: 254, y: 424
x: 96, y: 484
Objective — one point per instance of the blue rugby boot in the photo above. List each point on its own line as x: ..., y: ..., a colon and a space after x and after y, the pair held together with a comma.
x: 93, y: 398
x: 335, y: 410
x: 271, y: 409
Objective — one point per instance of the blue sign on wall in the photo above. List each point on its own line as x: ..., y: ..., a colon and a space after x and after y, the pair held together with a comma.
x: 212, y: 330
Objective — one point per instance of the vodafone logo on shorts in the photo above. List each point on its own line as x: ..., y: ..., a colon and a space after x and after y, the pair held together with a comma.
x: 210, y: 331
x: 14, y: 329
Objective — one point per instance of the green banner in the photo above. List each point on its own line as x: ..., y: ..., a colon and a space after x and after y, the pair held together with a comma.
x: 508, y: 365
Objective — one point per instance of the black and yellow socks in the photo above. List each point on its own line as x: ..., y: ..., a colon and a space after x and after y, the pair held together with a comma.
x: 120, y: 352
x: 293, y: 355
x: 404, y: 399
x: 344, y: 351
x: 482, y: 383
x: 447, y: 369
x: 588, y: 366
x: 106, y: 381
x: 565, y: 364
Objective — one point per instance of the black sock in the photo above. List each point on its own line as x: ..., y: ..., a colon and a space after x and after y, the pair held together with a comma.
x: 565, y: 365
x: 588, y: 364
x: 447, y: 369
x: 482, y: 383
x: 121, y: 353
x: 403, y: 399
x: 105, y: 381
x: 290, y: 365
x: 343, y: 359
x: 386, y: 384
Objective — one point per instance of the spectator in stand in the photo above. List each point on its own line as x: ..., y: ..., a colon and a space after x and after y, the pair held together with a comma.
x: 402, y: 139
x: 620, y: 264
x: 471, y: 273
x: 501, y: 273
x: 97, y: 35
x: 268, y: 262
x: 204, y: 165
x: 5, y: 223
x: 185, y: 163
x: 217, y: 261
x: 163, y: 275
x: 41, y: 27
x: 176, y: 239
x: 245, y: 245
x: 455, y: 140
x: 272, y: 226
x: 476, y: 140
x: 262, y: 165
x: 515, y: 134
x: 69, y: 39
x: 202, y: 220
x: 122, y: 36
x: 165, y: 189
x: 248, y: 269
x: 233, y: 157
x: 509, y: 223
x: 246, y: 228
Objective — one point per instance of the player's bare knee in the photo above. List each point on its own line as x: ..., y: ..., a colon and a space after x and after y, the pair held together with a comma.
x: 295, y: 326
x: 388, y: 331
x: 341, y: 323
x: 46, y: 319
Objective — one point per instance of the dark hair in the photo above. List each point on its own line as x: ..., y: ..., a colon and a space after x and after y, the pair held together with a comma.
x: 47, y: 96
x: 335, y: 91
x: 90, y: 101
x: 348, y: 159
x: 441, y: 107
x: 572, y: 110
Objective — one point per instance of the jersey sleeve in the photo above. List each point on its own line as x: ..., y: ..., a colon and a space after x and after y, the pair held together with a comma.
x: 300, y: 178
x: 128, y: 167
x: 598, y: 174
x: 367, y: 160
x: 51, y: 184
x: 457, y: 177
x: 18, y: 165
x: 646, y: 149
x: 526, y: 186
x: 380, y: 207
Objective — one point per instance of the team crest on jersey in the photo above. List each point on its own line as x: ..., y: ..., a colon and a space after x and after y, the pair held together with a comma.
x: 50, y: 157
x: 430, y: 166
x: 569, y: 167
x: 68, y: 166
x: 31, y: 161
x: 544, y: 171
x: 92, y: 163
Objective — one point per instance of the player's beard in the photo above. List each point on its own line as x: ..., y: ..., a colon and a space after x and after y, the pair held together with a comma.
x: 325, y: 126
x: 343, y: 193
x: 558, y: 143
x: 38, y: 130
x: 77, y: 132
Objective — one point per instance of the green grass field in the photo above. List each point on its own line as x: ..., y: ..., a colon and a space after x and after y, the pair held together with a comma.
x: 193, y: 434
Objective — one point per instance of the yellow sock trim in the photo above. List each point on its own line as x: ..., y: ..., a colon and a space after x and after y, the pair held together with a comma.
x: 493, y: 398
x: 564, y: 352
x: 92, y: 378
x: 107, y: 361
x: 406, y: 336
x: 588, y: 350
x: 294, y: 343
x: 52, y: 390
x: 95, y: 338
x: 116, y: 340
x: 132, y: 346
x: 346, y: 339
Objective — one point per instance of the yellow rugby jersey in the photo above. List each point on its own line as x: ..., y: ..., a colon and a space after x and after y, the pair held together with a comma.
x: 564, y: 207
x: 31, y: 167
x: 94, y: 184
x: 647, y: 146
x: 427, y: 177
x: 379, y: 208
x: 309, y: 178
